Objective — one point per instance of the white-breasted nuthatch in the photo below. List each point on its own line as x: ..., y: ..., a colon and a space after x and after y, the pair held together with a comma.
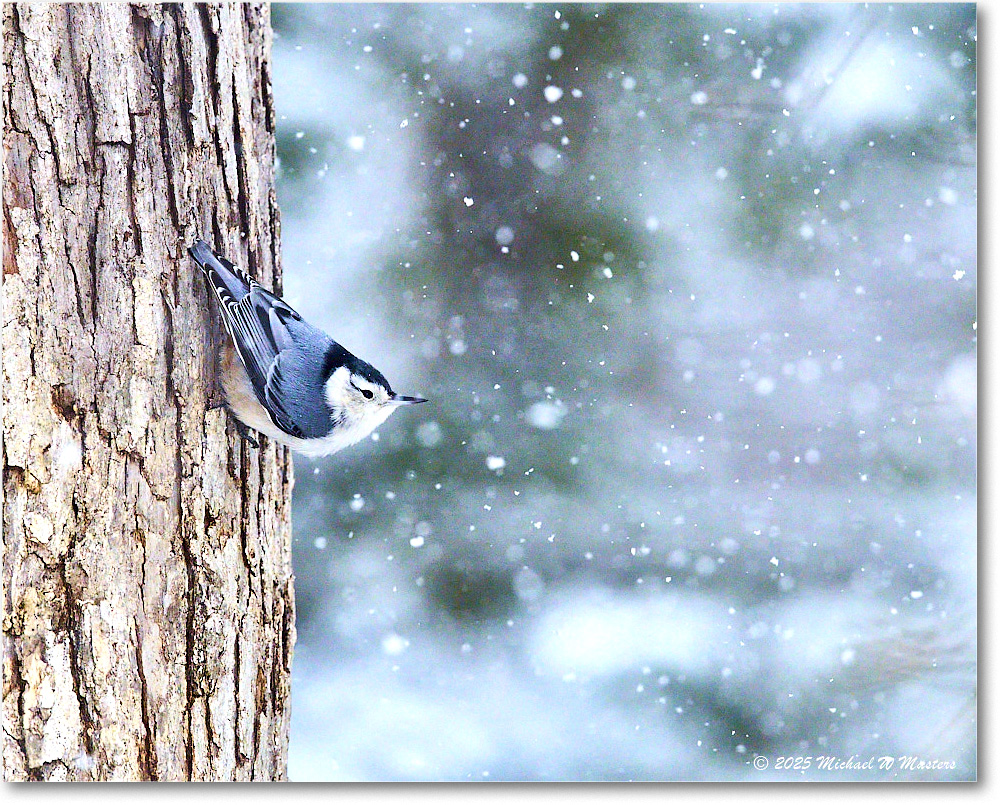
x: 288, y: 379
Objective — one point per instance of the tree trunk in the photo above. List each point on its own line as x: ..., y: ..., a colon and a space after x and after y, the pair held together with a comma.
x: 148, y: 609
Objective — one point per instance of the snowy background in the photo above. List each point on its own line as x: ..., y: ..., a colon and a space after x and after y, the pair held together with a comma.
x: 692, y: 290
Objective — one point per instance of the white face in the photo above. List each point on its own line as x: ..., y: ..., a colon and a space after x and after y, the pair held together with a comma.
x: 364, y: 405
x: 372, y: 394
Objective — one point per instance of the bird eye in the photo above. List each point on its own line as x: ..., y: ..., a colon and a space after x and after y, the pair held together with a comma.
x: 367, y: 393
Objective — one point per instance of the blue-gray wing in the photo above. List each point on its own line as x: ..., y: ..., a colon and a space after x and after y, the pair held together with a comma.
x: 257, y: 321
x: 259, y: 326
x: 294, y: 384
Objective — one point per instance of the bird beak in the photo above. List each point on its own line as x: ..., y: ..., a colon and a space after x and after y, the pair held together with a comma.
x: 399, y: 399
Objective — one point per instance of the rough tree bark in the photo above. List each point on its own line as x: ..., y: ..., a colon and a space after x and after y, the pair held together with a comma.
x: 148, y: 608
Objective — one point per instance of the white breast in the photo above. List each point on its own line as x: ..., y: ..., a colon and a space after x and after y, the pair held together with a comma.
x: 346, y: 434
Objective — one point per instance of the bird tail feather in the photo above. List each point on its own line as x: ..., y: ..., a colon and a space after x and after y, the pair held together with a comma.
x: 229, y: 282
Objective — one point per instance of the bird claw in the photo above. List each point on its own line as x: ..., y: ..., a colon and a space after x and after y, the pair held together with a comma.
x: 244, y: 433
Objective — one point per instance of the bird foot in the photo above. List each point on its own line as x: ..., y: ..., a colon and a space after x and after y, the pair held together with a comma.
x: 215, y: 401
x: 244, y: 432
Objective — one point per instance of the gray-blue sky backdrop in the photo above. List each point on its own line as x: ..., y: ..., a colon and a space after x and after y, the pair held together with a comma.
x: 692, y: 290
